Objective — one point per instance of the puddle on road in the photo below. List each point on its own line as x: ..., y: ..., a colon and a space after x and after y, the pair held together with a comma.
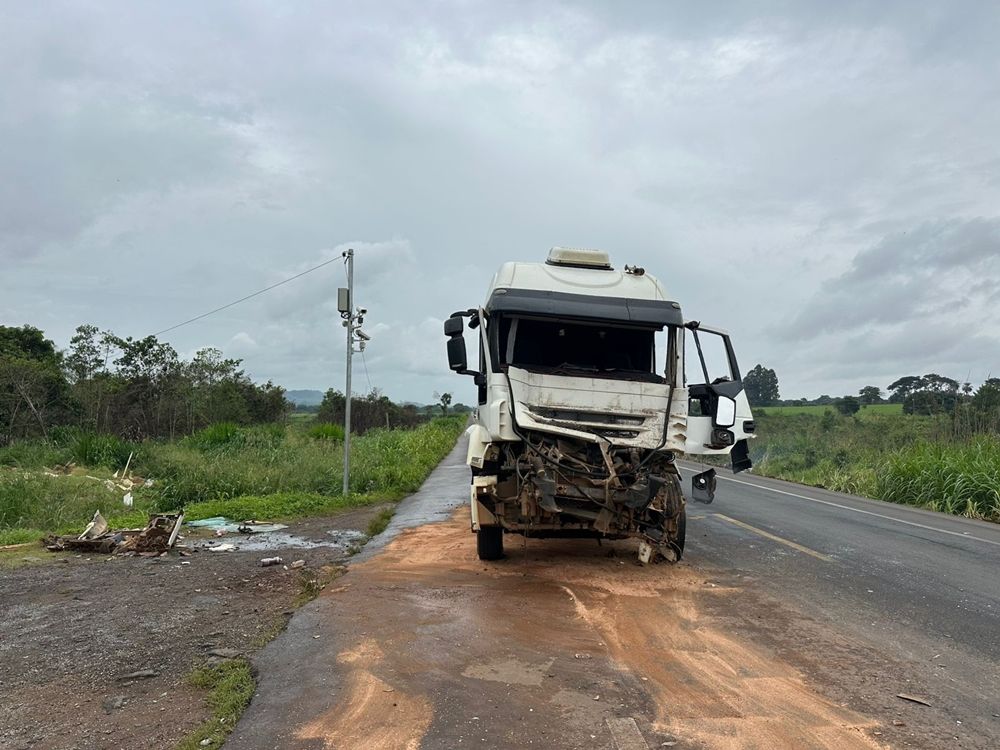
x: 341, y: 539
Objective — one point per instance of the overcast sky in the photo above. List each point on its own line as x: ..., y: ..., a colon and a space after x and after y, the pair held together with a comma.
x: 823, y: 180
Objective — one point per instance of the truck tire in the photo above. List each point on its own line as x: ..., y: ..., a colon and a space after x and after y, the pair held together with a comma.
x: 681, y: 533
x: 489, y: 542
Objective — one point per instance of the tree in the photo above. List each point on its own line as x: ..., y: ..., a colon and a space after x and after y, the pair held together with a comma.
x: 925, y: 394
x: 445, y: 399
x: 34, y: 394
x: 761, y: 385
x: 85, y: 360
x: 848, y: 405
x: 870, y: 394
x: 987, y: 398
x: 331, y: 408
x: 900, y: 389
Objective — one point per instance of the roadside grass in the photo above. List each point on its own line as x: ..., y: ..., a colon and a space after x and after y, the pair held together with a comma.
x: 326, y: 431
x: 899, y: 458
x: 266, y: 472
x: 379, y: 523
x: 866, y: 411
x: 10, y: 537
x: 311, y: 584
x: 231, y: 686
x: 35, y: 503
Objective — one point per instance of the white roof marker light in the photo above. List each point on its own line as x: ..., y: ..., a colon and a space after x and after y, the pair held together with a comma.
x: 573, y: 256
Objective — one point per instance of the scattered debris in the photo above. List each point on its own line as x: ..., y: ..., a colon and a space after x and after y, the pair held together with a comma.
x: 158, y: 537
x: 95, y: 528
x: 298, y: 564
x: 913, y: 699
x: 128, y: 500
x: 267, y: 562
x: 255, y: 527
x: 222, y: 525
x: 898, y: 723
x: 227, y: 547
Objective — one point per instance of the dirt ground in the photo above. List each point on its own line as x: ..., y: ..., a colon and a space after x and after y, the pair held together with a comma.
x: 561, y: 645
x: 72, y: 630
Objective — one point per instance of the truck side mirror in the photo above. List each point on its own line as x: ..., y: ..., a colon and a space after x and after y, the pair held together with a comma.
x: 458, y: 360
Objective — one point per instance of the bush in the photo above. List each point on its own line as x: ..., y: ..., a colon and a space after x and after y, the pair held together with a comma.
x: 90, y: 449
x: 326, y: 431
x: 228, y: 436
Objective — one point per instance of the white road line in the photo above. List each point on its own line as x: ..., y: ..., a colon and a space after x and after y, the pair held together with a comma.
x: 775, y: 538
x: 626, y: 734
x: 858, y: 510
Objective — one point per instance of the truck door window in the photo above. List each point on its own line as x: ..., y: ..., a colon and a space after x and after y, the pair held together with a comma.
x: 706, y: 362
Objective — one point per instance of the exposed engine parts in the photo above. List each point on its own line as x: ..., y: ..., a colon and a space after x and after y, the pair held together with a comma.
x: 575, y: 485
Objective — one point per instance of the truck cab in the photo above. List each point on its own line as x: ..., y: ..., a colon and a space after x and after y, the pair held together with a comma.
x: 590, y: 385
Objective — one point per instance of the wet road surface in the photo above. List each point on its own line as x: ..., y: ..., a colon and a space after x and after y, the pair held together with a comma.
x: 794, y: 620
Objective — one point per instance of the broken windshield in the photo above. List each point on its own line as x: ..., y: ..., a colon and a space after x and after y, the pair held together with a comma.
x: 573, y: 348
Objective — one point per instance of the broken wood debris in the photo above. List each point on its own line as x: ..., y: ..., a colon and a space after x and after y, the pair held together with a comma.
x: 914, y: 698
x: 159, y: 536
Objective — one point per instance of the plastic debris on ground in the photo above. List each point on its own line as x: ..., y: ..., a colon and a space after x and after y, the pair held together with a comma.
x: 227, y: 526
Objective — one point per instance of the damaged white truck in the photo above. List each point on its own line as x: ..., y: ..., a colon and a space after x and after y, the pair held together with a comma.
x: 585, y: 404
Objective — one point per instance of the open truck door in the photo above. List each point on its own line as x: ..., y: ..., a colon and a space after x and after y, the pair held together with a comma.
x: 719, y: 416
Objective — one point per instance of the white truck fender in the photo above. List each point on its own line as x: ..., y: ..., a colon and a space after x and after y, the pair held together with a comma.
x: 479, y: 444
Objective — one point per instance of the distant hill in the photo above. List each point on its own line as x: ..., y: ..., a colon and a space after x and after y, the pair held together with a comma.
x: 305, y: 398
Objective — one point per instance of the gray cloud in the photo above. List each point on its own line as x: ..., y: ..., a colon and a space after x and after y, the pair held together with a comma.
x: 935, y: 270
x: 815, y: 177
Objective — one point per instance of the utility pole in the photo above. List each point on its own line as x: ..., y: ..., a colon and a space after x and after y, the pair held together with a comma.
x: 353, y: 319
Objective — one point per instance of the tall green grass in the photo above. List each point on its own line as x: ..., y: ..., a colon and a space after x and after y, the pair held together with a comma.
x: 960, y: 478
x: 866, y: 411
x: 904, y: 459
x: 244, y: 472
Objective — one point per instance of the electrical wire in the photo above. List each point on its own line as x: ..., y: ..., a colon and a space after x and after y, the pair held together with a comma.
x: 365, y: 363
x: 249, y: 296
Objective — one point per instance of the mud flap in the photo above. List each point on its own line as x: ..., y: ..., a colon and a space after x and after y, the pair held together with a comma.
x: 703, y: 486
x: 741, y: 457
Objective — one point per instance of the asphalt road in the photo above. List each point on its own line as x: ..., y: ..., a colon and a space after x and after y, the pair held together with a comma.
x: 796, y: 619
x: 916, y: 587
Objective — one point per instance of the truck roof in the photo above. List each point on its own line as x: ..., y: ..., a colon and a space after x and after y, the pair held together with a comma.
x: 595, y: 281
x: 580, y: 287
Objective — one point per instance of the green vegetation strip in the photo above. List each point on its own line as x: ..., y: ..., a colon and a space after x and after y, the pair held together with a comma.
x: 909, y: 459
x: 231, y: 686
x: 265, y: 472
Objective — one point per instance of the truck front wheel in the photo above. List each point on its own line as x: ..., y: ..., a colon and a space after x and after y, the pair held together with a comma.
x: 489, y: 542
x: 681, y: 534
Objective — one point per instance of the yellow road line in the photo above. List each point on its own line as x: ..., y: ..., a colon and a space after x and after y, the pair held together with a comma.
x: 778, y: 539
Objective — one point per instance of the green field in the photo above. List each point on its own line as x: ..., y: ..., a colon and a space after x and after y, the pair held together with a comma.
x: 265, y: 472
x: 870, y: 410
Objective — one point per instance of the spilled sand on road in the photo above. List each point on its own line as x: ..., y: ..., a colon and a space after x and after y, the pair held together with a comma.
x: 709, y: 688
x: 360, y: 721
